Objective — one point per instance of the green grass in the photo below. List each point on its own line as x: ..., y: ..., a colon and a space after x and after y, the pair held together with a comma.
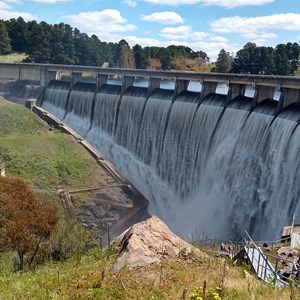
x: 47, y: 159
x: 16, y: 120
x: 12, y: 58
x: 90, y: 277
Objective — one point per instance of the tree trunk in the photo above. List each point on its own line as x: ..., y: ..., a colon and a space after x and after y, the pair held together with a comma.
x: 21, y: 260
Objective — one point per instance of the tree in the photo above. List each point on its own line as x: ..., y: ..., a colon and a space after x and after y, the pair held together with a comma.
x: 244, y: 59
x: 62, y: 50
x: 293, y: 52
x: 282, y: 62
x: 141, y: 59
x: 5, y: 46
x: 187, y: 64
x: 39, y: 48
x: 224, y: 61
x: 24, y: 222
x: 18, y: 33
x: 164, y: 56
x: 125, y: 56
x: 154, y: 64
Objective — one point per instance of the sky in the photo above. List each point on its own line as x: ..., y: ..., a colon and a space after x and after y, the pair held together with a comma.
x: 207, y: 25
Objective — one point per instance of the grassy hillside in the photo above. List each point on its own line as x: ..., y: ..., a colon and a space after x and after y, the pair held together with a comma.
x: 47, y: 159
x: 15, y: 120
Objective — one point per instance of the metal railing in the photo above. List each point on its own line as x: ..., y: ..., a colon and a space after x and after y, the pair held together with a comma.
x: 260, y: 262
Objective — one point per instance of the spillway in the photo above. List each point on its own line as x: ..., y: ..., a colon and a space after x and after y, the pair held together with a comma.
x: 205, y: 167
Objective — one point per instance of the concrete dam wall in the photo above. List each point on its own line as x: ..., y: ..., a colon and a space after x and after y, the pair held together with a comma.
x: 214, y: 160
x: 206, y: 165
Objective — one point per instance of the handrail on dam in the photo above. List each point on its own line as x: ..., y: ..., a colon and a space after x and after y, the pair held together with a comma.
x: 284, y: 89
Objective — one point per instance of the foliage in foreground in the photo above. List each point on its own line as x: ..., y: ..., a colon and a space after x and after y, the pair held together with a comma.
x: 90, y: 277
x: 25, y: 223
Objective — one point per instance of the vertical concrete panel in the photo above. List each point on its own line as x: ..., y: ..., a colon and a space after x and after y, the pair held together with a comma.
x: 180, y: 86
x: 154, y: 83
x: 101, y: 79
x: 207, y: 88
x: 30, y: 73
x: 76, y: 76
x: 127, y: 81
x: 235, y: 90
x: 10, y: 71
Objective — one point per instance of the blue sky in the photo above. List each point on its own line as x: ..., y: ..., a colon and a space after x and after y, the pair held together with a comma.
x: 207, y: 25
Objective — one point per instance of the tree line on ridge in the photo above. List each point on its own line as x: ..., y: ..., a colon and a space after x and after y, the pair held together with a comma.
x: 62, y: 44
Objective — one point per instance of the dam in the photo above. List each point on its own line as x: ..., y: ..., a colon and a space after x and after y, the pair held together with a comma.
x: 215, y: 160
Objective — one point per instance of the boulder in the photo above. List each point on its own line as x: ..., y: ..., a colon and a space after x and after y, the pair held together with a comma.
x: 151, y: 241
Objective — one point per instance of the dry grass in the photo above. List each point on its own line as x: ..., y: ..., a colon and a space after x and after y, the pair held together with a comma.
x: 91, y: 278
x: 12, y: 58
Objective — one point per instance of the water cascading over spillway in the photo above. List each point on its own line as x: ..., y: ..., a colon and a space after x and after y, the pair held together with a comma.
x: 203, y: 167
x: 79, y: 108
x: 56, y: 95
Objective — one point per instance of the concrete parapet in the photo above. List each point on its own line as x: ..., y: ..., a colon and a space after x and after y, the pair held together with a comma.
x: 9, y: 72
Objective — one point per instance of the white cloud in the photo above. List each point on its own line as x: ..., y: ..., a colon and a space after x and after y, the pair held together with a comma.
x: 107, y: 24
x: 212, y: 48
x: 222, y: 3
x: 242, y: 25
x: 51, y: 1
x: 4, y: 5
x: 261, y: 36
x: 130, y: 3
x: 174, y: 2
x: 218, y: 39
x: 199, y: 35
x: 7, y: 14
x: 235, y: 3
x: 166, y: 17
x: 185, y: 33
x: 177, y: 33
x: 14, y: 1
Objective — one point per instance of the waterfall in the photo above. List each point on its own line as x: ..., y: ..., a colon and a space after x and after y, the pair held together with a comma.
x: 205, y: 166
x: 80, y: 107
x: 56, y: 96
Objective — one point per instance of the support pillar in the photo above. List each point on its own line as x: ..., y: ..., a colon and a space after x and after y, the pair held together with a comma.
x: 180, y: 86
x: 76, y: 76
x: 127, y: 82
x: 51, y: 75
x: 154, y: 83
x: 235, y: 90
x: 101, y: 80
x: 207, y: 88
x: 262, y: 92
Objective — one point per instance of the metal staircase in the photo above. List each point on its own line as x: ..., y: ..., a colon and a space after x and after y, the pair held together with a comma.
x: 261, y: 265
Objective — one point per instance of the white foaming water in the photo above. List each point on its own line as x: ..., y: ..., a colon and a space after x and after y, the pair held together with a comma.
x: 204, y: 168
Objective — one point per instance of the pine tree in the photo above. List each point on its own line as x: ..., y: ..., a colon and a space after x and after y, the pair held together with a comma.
x: 5, y: 43
x: 224, y: 61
